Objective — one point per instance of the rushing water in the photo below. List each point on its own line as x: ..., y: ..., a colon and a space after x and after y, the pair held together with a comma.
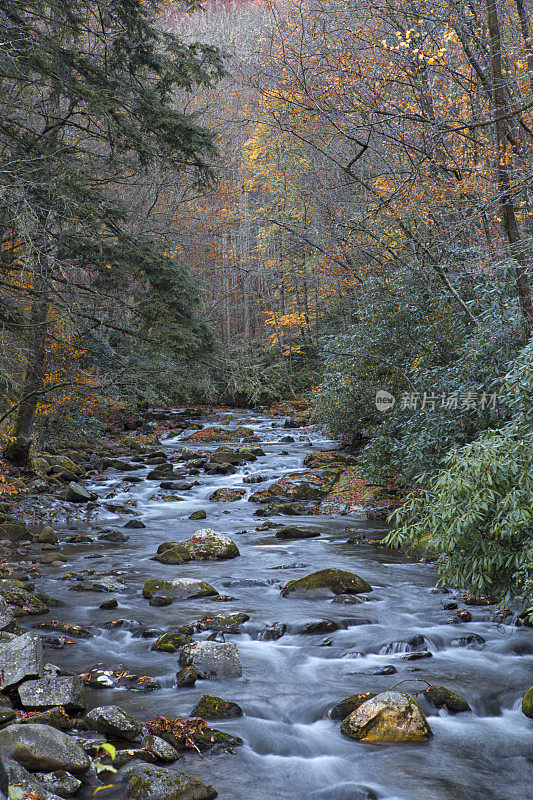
x: 292, y: 750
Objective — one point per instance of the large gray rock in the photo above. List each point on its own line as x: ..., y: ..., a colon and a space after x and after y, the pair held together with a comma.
x: 113, y: 721
x: 21, y: 778
x: 387, y: 717
x: 60, y: 782
x: 212, y: 659
x: 7, y: 615
x: 205, y: 545
x: 161, y: 749
x: 148, y: 782
x: 76, y: 493
x: 43, y: 748
x: 53, y: 690
x: 20, y: 659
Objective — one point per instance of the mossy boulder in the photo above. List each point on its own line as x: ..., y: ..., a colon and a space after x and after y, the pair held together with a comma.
x: 205, y: 545
x: 211, y: 707
x: 441, y: 697
x: 350, y: 704
x: 338, y: 581
x: 527, y: 703
x: 227, y: 623
x: 171, y: 642
x: 387, y: 717
x: 200, y: 514
x: 227, y: 495
x: 149, y: 782
x: 179, y: 588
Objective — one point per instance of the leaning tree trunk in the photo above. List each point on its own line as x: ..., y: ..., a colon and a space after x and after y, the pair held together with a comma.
x: 18, y: 448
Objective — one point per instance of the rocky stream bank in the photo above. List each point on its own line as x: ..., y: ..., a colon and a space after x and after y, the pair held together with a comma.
x: 277, y: 651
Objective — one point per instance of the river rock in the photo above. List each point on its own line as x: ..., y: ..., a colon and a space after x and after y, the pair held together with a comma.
x: 113, y: 721
x: 211, y: 707
x: 338, y: 581
x: 53, y: 690
x: 212, y: 659
x: 179, y: 588
x: 273, y: 632
x: 171, y: 642
x: 295, y: 532
x: 21, y: 778
x: 101, y: 676
x: 21, y: 659
x: 7, y: 616
x: 43, y: 748
x: 227, y: 495
x: 162, y: 750
x: 527, y: 703
x: 46, y: 536
x: 200, y: 514
x: 388, y: 717
x: 350, y: 704
x: 24, y: 603
x: 205, y: 545
x: 149, y: 782
x: 227, y: 623
x: 441, y: 697
x: 59, y: 782
x: 186, y: 677
x: 56, y: 717
x: 76, y: 493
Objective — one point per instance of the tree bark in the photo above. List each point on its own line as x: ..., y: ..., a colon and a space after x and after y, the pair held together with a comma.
x: 506, y: 202
x: 17, y: 449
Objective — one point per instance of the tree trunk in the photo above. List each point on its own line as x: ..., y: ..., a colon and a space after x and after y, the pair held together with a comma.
x: 18, y: 448
x: 506, y: 201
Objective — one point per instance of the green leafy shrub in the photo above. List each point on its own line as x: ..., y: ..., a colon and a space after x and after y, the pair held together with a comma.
x: 477, y: 514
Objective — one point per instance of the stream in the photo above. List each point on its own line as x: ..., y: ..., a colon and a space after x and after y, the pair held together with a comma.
x: 292, y: 750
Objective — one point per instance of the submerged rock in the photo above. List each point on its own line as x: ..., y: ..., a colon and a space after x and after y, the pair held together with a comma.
x: 388, y: 717
x: 41, y: 747
x: 205, y: 545
x: 338, y: 581
x: 149, y: 782
x: 294, y: 532
x: 212, y: 659
x: 211, y: 707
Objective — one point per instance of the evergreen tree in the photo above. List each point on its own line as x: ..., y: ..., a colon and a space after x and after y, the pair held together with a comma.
x: 89, y: 92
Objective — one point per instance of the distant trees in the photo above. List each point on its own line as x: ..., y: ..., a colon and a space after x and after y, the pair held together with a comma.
x: 89, y: 105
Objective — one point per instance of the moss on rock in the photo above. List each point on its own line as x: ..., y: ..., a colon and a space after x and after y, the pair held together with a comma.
x: 211, y: 707
x: 338, y: 581
x: 527, y: 703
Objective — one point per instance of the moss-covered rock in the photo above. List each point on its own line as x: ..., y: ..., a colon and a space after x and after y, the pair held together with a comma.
x: 227, y: 495
x: 227, y: 623
x: 441, y: 697
x: 527, y: 703
x: 211, y: 707
x: 149, y: 782
x: 295, y: 532
x: 171, y: 642
x: 200, y: 514
x: 205, y: 545
x: 349, y: 705
x: 387, y: 717
x: 179, y: 588
x: 338, y: 581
